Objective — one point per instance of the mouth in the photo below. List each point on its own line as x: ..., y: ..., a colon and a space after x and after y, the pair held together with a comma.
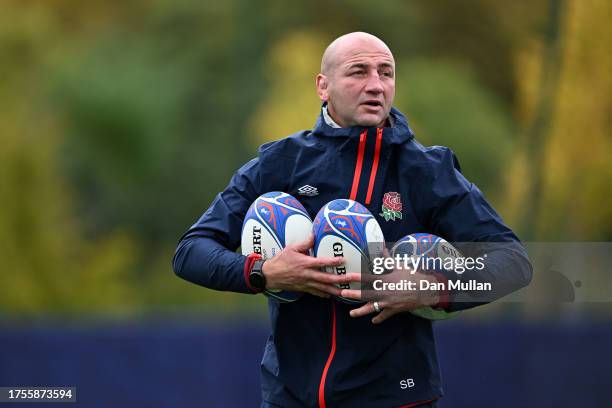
x: 373, y: 103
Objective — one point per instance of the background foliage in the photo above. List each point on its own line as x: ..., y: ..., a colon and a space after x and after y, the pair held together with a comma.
x: 120, y: 121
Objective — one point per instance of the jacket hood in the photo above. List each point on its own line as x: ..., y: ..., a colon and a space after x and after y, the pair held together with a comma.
x: 399, y: 133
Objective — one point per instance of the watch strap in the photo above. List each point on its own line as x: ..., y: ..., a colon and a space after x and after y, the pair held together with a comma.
x: 248, y: 265
x: 257, y: 277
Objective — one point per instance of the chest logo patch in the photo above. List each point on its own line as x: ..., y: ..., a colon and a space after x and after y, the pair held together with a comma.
x: 308, y: 190
x: 391, y: 206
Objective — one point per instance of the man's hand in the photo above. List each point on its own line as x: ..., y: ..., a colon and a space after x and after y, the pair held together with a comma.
x: 391, y: 302
x: 293, y: 269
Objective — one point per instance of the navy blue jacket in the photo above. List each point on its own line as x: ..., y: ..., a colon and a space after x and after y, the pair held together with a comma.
x: 317, y: 354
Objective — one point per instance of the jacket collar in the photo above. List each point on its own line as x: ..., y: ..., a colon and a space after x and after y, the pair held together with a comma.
x: 399, y: 133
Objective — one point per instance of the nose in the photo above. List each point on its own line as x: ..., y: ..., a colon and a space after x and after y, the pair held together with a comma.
x: 374, y: 84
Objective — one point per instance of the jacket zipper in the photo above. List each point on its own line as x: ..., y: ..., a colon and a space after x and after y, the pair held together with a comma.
x: 363, y: 137
x: 379, y: 134
x: 329, y: 358
x: 362, y: 142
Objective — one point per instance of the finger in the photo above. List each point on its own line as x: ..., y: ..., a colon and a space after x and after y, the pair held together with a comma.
x: 322, y: 287
x: 385, y: 252
x: 353, y: 277
x: 305, y: 245
x: 324, y: 277
x: 366, y: 295
x: 383, y: 315
x: 351, y: 294
x: 326, y: 261
x: 366, y: 309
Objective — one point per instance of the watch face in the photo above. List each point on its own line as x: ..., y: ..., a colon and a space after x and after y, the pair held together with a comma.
x: 257, y: 280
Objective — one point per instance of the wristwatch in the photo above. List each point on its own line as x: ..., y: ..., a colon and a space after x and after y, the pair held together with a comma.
x: 257, y: 279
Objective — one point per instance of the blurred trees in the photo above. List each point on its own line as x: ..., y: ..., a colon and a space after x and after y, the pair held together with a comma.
x: 121, y: 121
x: 47, y: 265
x: 570, y: 117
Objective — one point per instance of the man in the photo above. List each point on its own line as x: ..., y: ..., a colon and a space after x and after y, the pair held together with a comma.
x: 323, y: 352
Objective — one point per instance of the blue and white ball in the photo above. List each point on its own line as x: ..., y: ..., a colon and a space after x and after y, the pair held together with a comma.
x: 345, y: 228
x: 273, y: 221
x: 434, y: 252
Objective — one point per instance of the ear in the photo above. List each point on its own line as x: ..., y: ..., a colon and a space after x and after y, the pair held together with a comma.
x: 322, y: 83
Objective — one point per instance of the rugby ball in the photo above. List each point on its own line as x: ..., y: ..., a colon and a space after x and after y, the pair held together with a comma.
x: 432, y: 254
x: 346, y: 228
x: 273, y: 221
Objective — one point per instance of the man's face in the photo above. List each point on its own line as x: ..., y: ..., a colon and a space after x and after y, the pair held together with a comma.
x: 360, y: 85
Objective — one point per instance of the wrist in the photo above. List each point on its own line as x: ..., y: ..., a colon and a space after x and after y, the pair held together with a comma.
x: 252, y: 282
x: 266, y: 269
x: 443, y: 300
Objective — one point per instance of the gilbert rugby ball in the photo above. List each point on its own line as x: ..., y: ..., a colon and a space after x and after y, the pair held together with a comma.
x: 435, y: 252
x: 346, y: 228
x: 273, y: 221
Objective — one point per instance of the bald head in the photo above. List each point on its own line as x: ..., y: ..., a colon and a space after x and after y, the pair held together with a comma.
x: 351, y: 43
x: 357, y: 80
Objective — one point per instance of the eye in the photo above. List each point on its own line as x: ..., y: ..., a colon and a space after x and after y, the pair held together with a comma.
x: 388, y: 74
x: 358, y: 73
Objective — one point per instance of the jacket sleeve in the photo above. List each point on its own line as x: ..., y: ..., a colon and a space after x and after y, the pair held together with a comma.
x: 206, y: 253
x: 456, y: 209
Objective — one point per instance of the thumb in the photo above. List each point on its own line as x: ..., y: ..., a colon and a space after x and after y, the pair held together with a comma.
x: 386, y: 253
